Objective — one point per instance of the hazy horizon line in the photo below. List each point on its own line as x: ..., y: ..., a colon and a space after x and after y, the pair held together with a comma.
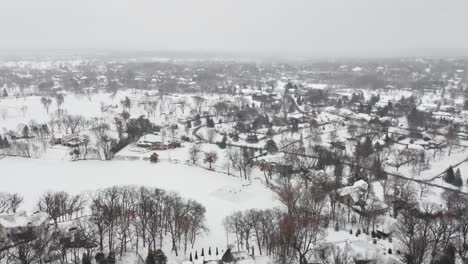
x: 253, y: 54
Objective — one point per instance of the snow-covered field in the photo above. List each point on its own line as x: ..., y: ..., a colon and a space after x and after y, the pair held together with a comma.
x: 219, y: 193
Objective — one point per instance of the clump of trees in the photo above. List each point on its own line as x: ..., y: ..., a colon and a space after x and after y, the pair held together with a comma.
x: 156, y: 257
x: 452, y: 177
x: 118, y: 219
x: 126, y: 214
x: 287, y: 234
x: 10, y: 202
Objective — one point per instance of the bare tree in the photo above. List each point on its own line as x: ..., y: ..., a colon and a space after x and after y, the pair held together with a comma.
x: 74, y: 123
x: 104, y: 142
x: 46, y: 102
x: 199, y: 102
x: 9, y: 203
x: 211, y: 135
x: 59, y: 99
x: 4, y: 113
x: 451, y: 137
x: 414, y: 232
x: 210, y: 158
x: 194, y: 153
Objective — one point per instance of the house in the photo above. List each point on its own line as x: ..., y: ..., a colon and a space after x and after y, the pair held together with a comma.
x: 242, y: 257
x: 352, y: 195
x: 75, y: 238
x: 20, y: 226
x: 251, y: 138
x: 56, y: 139
x: 156, y: 142
x: 73, y: 140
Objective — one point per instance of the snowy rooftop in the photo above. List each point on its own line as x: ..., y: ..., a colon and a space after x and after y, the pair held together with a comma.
x: 354, y: 191
x: 21, y: 219
x: 150, y: 138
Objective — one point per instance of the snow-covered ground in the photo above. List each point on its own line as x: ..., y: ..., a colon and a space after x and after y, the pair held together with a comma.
x: 219, y: 193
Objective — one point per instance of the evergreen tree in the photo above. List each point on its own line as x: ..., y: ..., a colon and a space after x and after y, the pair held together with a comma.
x: 209, y: 251
x: 458, y: 181
x: 367, y: 147
x: 377, y: 147
x: 86, y: 259
x: 160, y: 257
x: 271, y: 146
x: 217, y: 251
x: 150, y: 258
x: 223, y: 144
x: 295, y: 126
x: 448, y: 256
x: 387, y: 139
x: 358, y: 150
x: 6, y: 144
x: 100, y: 258
x: 449, y: 175
x: 5, y: 93
x: 190, y: 258
x: 338, y: 172
x: 202, y: 252
x: 458, y: 173
x: 111, y: 258
x: 377, y: 170
x: 196, y: 254
x: 25, y: 132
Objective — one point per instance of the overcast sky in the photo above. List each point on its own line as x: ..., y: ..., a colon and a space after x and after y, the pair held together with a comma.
x: 308, y: 27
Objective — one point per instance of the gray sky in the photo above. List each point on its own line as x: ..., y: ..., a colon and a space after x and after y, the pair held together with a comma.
x: 308, y: 27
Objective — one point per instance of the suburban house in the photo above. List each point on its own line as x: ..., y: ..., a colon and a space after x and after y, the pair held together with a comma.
x: 73, y: 140
x: 353, y: 196
x: 20, y: 226
x: 75, y: 238
x: 156, y: 142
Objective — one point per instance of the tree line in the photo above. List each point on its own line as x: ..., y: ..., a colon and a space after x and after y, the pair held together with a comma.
x: 109, y: 222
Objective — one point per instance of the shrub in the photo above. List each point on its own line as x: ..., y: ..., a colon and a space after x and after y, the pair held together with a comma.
x: 100, y: 258
x: 150, y: 258
x: 154, y: 157
x: 86, y: 259
x: 111, y: 258
x: 160, y: 257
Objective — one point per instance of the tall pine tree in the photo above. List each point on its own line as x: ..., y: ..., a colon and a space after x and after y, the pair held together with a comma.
x: 449, y: 175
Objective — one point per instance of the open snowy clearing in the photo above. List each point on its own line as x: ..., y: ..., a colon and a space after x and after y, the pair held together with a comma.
x: 219, y: 193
